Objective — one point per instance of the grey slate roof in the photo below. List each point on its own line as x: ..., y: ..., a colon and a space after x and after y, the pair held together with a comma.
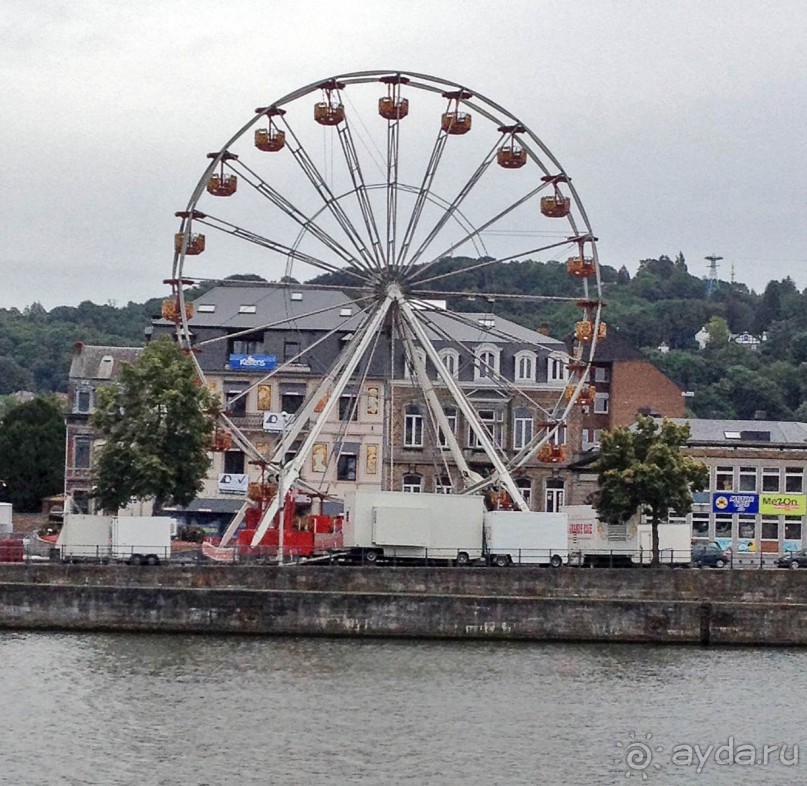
x: 88, y: 361
x: 751, y: 432
x: 323, y: 310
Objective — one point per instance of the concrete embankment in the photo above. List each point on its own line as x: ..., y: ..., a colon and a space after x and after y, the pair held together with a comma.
x: 673, y: 606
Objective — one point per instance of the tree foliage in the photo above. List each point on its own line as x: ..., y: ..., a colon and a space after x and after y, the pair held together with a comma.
x: 157, y: 425
x: 642, y: 469
x: 32, y: 452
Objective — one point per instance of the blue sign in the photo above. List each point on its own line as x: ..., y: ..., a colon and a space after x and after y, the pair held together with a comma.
x: 253, y: 362
x: 729, y: 502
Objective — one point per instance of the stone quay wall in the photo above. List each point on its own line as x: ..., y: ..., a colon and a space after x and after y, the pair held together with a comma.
x: 633, y: 605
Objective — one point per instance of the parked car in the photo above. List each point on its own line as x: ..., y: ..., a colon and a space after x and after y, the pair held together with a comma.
x: 710, y: 555
x: 793, y: 560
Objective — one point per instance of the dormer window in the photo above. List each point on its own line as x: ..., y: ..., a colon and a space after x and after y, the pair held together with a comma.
x: 487, y: 362
x: 247, y: 309
x: 451, y: 361
x: 525, y: 366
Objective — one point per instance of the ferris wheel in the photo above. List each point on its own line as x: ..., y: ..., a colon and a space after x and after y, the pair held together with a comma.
x: 386, y: 185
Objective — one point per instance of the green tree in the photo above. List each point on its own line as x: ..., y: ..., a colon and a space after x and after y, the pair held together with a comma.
x: 32, y: 452
x: 642, y: 468
x: 157, y: 423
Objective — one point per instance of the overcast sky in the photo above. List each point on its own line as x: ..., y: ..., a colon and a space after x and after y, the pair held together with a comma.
x: 684, y: 124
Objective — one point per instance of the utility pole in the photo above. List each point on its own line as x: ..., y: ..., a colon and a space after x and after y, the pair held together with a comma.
x: 711, y: 282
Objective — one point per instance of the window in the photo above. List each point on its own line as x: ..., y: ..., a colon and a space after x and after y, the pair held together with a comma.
x: 492, y: 422
x: 792, y: 527
x: 747, y: 526
x: 236, y: 398
x: 554, y: 495
x: 794, y: 480
x: 291, y: 402
x: 246, y: 345
x: 451, y: 360
x: 525, y: 367
x: 487, y: 362
x: 559, y: 437
x: 601, y: 403
x: 412, y: 484
x: 524, y: 485
x: 748, y: 478
x: 83, y: 400
x: 410, y: 372
x: 522, y: 431
x: 700, y: 525
x: 770, y: 529
x: 451, y: 417
x: 723, y: 525
x: 247, y: 309
x: 601, y: 374
x: 442, y: 484
x: 290, y: 350
x: 348, y: 409
x: 770, y: 478
x: 413, y: 427
x: 82, y: 448
x: 346, y: 466
x: 724, y: 478
x: 233, y: 462
x: 555, y: 369
x: 591, y: 438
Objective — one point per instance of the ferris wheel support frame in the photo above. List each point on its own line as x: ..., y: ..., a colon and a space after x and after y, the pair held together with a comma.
x: 290, y: 472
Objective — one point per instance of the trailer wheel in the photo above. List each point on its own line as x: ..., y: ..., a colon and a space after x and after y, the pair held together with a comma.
x: 501, y: 560
x: 462, y: 558
x: 556, y: 560
x: 371, y: 557
x: 151, y: 559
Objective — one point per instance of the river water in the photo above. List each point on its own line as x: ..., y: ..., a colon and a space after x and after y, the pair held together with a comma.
x: 172, y: 709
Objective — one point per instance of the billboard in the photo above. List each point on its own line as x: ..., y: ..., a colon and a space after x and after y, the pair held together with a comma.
x: 253, y: 362
x: 783, y: 504
x: 729, y: 502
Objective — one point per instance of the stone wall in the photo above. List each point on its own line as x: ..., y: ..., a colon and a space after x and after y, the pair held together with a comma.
x: 673, y: 606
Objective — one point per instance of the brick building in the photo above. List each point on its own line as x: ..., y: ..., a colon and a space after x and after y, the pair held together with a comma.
x: 627, y: 384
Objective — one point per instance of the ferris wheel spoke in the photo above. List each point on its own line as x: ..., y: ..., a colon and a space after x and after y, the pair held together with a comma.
x: 306, y: 222
x: 476, y: 231
x: 330, y: 201
x: 273, y: 245
x: 452, y: 209
x: 422, y: 195
x: 360, y: 189
x: 393, y: 145
x: 484, y: 439
x: 489, y: 262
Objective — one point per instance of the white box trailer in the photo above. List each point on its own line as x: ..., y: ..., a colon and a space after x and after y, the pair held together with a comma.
x: 594, y: 542
x: 401, y: 525
x: 674, y: 542
x: 136, y: 539
x: 6, y: 518
x: 521, y: 538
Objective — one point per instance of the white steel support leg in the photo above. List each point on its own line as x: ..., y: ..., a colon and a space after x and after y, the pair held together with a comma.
x: 469, y: 477
x: 482, y: 435
x: 290, y: 473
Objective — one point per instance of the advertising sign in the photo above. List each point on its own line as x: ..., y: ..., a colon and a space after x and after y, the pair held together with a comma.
x: 783, y: 504
x: 233, y: 484
x: 253, y: 362
x: 729, y: 502
x: 277, y: 422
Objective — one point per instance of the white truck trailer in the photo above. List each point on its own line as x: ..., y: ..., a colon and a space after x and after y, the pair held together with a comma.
x: 139, y: 540
x: 674, y: 543
x: 516, y: 537
x: 398, y: 525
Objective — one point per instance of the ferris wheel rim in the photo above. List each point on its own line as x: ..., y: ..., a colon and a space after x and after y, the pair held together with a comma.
x: 479, y: 103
